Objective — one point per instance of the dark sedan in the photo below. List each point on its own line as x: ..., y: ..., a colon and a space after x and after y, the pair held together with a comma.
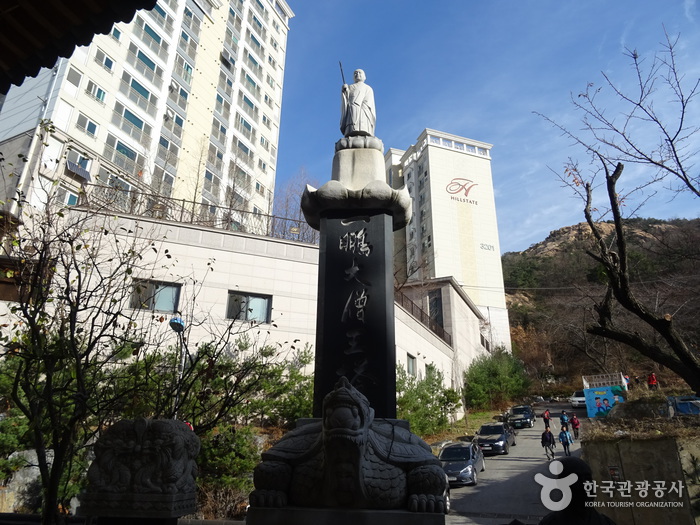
x: 461, y: 462
x: 495, y: 438
x: 522, y: 416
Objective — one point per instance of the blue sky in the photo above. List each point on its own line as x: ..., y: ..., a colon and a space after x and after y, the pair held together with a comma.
x: 478, y: 69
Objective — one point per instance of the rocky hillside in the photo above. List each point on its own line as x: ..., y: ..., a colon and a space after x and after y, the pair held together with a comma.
x: 553, y: 286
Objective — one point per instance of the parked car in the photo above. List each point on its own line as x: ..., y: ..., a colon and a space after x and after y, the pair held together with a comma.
x: 461, y: 461
x: 522, y: 416
x: 577, y: 399
x: 495, y: 438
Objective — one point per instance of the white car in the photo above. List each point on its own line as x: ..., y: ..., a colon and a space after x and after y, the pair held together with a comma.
x: 577, y: 399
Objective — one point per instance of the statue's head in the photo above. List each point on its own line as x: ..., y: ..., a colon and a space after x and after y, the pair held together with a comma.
x: 346, y: 413
x: 359, y: 75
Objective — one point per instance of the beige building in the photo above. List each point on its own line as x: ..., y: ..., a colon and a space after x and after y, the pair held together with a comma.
x: 454, y: 231
x: 182, y: 103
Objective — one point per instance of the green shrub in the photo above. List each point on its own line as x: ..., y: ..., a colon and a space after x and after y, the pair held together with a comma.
x: 491, y: 381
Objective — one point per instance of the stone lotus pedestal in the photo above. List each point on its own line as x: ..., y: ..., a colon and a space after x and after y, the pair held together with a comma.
x: 144, y: 472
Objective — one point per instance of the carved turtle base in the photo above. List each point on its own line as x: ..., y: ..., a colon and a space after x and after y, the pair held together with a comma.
x: 306, y: 516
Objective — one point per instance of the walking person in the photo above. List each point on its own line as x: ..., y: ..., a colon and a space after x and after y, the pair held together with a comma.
x: 575, y: 425
x: 546, y: 417
x: 566, y: 439
x: 564, y: 418
x: 548, y: 442
x: 652, y: 382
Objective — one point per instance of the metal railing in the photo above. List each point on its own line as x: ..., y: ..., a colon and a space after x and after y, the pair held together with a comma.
x: 422, y: 316
x: 134, y: 201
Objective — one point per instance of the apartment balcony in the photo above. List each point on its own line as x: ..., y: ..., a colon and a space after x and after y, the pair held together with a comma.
x: 216, y: 164
x: 153, y: 75
x: 142, y: 135
x: 193, y: 25
x: 250, y: 85
x: 164, y: 23
x: 160, y: 49
x: 261, y: 31
x: 178, y: 99
x: 247, y: 133
x: 183, y: 73
x: 189, y: 48
x: 247, y: 157
x: 166, y: 156
x: 261, y: 11
x: 149, y: 106
x: 121, y: 160
x: 254, y: 66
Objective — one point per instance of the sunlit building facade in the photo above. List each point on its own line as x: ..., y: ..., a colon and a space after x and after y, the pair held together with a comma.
x: 454, y: 231
x: 181, y: 104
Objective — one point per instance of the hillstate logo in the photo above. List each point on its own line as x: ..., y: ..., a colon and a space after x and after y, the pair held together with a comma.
x: 459, y: 188
x: 549, y: 485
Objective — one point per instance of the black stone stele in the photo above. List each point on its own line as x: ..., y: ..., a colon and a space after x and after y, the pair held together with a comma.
x: 355, y: 324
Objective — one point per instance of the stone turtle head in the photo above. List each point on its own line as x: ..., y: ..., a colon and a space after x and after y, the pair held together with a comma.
x: 346, y: 413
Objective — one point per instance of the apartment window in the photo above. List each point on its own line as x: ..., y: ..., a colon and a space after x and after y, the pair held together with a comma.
x: 158, y: 296
x: 96, y: 91
x: 272, y: 61
x: 211, y: 183
x: 104, y: 60
x: 191, y: 21
x: 266, y: 120
x: 435, y: 306
x: 78, y: 165
x: 116, y: 34
x: 259, y: 188
x: 66, y: 196
x: 78, y: 159
x: 173, y: 122
x: 222, y: 106
x: 183, y: 68
x: 218, y: 131
x: 262, y: 165
x: 168, y: 151
x: 74, y: 77
x: 264, y: 143
x: 178, y: 94
x: 162, y: 181
x: 270, y: 81
x: 410, y: 365
x: 227, y: 60
x: 249, y: 307
x: 86, y: 125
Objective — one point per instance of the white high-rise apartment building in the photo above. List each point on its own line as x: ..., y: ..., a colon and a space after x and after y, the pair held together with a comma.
x: 173, y: 115
x: 453, y: 232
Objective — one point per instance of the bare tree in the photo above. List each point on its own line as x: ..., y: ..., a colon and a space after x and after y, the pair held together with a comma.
x: 289, y: 221
x: 653, y: 130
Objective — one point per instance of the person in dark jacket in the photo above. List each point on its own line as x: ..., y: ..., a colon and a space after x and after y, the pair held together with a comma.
x: 548, y: 442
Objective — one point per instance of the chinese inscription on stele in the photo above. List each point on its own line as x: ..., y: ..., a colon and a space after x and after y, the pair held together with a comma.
x: 355, y: 363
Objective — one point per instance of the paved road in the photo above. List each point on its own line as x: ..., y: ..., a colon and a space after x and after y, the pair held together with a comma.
x: 507, y: 489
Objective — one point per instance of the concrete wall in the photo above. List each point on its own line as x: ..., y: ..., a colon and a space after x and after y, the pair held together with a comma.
x: 665, y: 459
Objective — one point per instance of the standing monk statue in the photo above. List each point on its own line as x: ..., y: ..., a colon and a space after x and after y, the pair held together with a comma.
x: 357, y: 113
